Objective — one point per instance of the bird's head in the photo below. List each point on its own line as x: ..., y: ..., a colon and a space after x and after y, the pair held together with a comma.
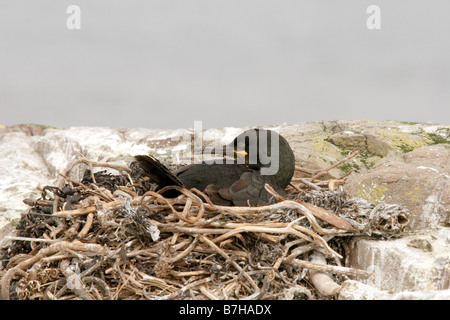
x: 260, y: 149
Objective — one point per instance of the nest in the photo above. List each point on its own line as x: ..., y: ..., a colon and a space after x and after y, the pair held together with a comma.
x: 369, y: 218
x: 112, y: 236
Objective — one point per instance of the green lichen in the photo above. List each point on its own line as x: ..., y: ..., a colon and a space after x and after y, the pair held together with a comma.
x: 347, y: 167
x: 369, y: 162
x: 325, y: 150
x: 374, y: 192
x: 411, y: 123
x: 405, y: 148
x: 414, y: 193
x: 437, y: 139
x: 403, y: 141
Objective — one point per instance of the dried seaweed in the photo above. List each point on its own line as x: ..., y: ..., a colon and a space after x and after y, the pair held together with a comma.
x: 111, y: 236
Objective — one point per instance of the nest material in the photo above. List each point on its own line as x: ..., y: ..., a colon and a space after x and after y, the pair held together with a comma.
x: 370, y: 218
x: 113, y: 237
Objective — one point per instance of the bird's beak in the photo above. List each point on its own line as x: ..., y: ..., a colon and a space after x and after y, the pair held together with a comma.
x: 241, y: 153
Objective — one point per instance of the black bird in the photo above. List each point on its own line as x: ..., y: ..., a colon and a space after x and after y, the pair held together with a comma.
x: 258, y: 157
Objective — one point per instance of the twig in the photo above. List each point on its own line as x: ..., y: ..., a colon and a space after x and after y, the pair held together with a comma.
x: 309, y: 184
x: 322, y: 281
x: 102, y: 284
x: 335, y: 182
x: 328, y: 268
x: 208, y: 294
x: 87, y: 226
x: 6, y: 280
x: 178, y: 293
x: 325, y: 171
x: 87, y: 210
x: 57, y: 247
x: 38, y: 202
x: 31, y: 239
x: 318, y: 212
x: 227, y: 257
x: 290, y: 228
x: 74, y: 282
x: 184, y: 253
x: 90, y: 163
x: 305, y: 170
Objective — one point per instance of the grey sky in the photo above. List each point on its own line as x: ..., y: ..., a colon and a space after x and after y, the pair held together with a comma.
x: 164, y: 64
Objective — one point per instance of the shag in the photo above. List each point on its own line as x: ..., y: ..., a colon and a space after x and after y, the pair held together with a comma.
x: 254, y: 158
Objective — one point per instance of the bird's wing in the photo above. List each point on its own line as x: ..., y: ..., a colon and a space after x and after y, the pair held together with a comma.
x: 218, y: 195
x: 249, y: 190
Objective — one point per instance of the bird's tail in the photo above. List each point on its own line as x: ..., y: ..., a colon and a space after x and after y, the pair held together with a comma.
x: 157, y: 172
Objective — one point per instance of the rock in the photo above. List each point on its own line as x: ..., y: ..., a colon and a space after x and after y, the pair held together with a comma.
x: 422, y: 244
x: 28, y: 129
x: 397, y: 266
x: 349, y: 140
x: 311, y: 149
x: 298, y: 293
x: 365, y: 143
x: 418, y: 180
x: 317, y: 145
x: 21, y: 170
x: 355, y: 290
x: 376, y: 146
x: 422, y: 295
x: 34, y: 160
